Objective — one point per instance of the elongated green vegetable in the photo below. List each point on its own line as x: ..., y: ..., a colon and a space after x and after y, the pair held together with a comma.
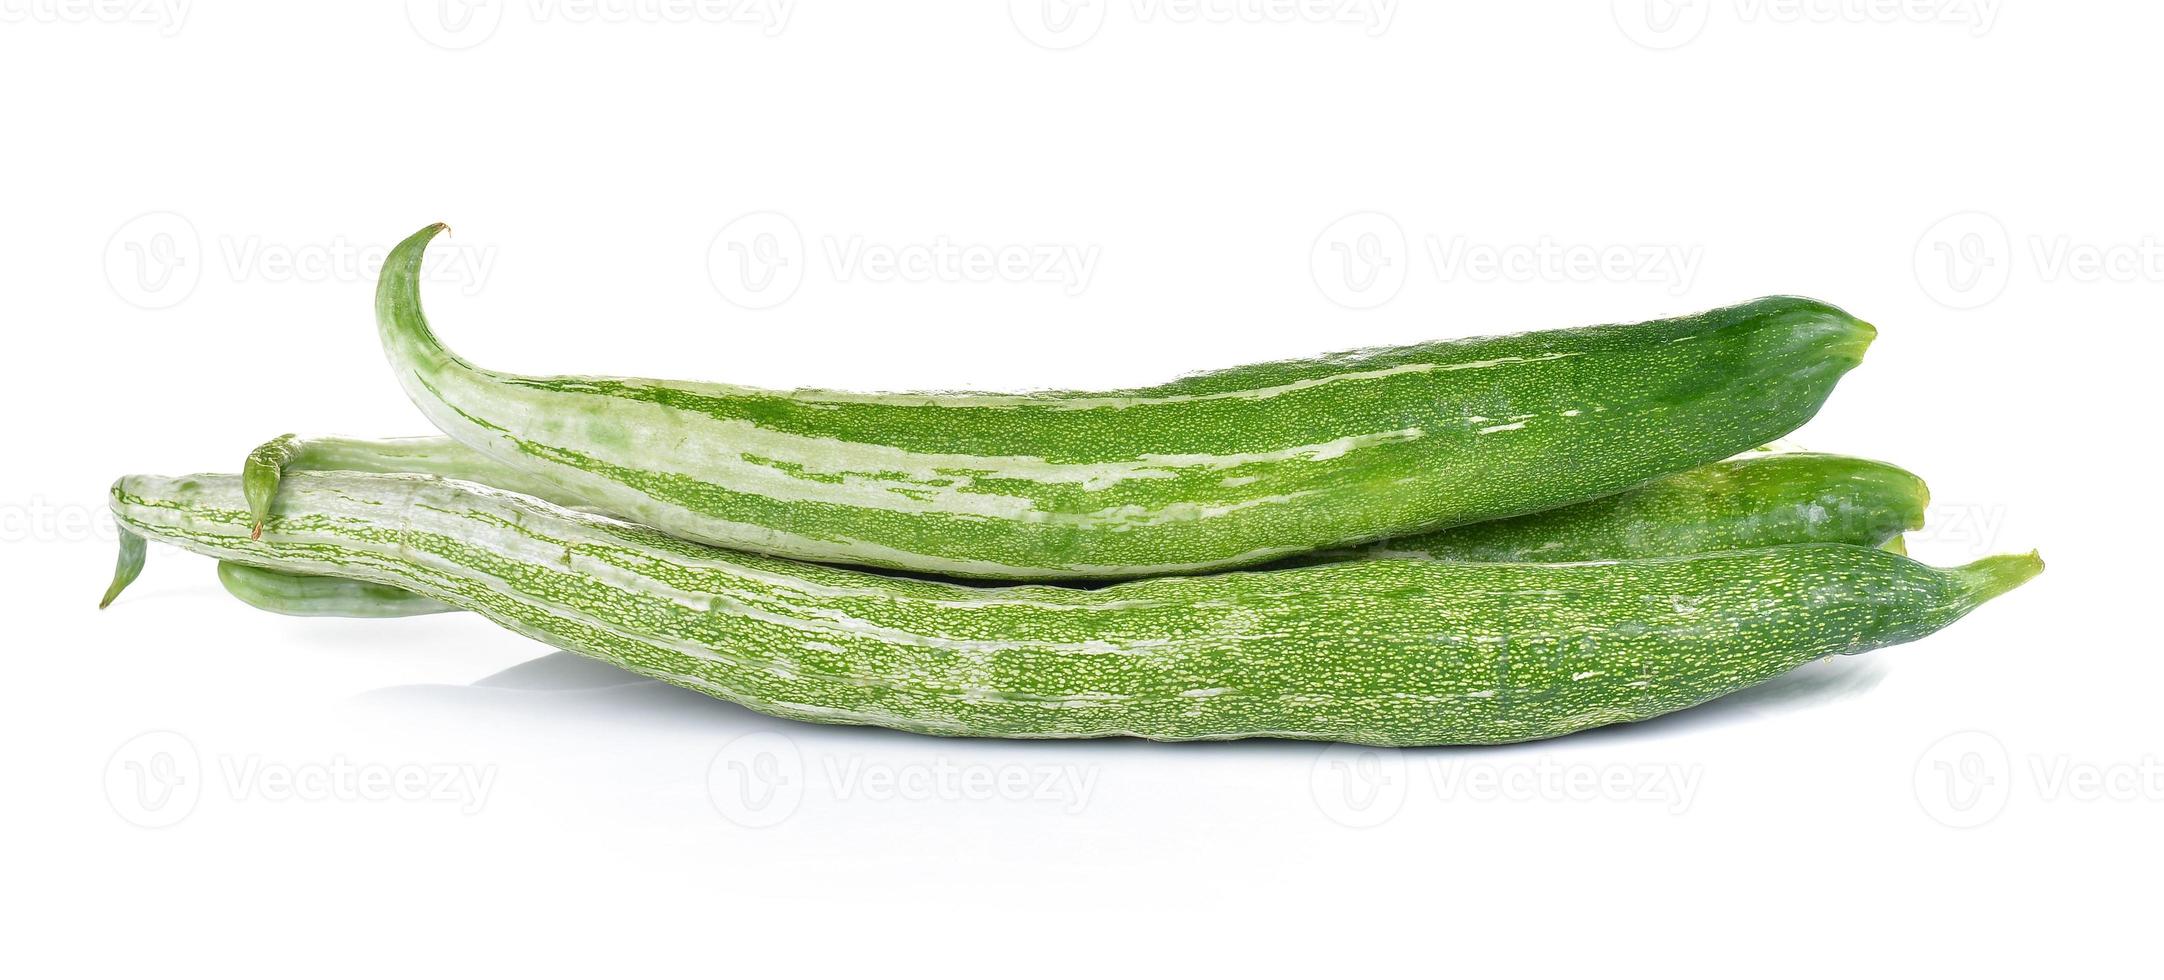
x: 1218, y: 470
x: 1388, y: 652
x: 293, y: 594
x: 1742, y: 503
x: 1754, y: 502
x: 433, y: 455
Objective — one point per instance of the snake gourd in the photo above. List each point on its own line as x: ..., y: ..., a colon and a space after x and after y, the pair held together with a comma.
x: 1384, y: 652
x: 1225, y: 469
x: 294, y: 594
x: 1751, y: 502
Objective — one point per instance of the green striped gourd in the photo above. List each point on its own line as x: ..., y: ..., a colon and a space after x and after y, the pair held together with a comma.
x: 1385, y: 652
x: 296, y: 594
x: 1219, y: 470
x: 1751, y: 502
x: 440, y: 456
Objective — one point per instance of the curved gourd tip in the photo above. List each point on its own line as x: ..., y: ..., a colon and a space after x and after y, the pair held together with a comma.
x: 1989, y: 578
x: 259, y: 478
x: 127, y: 568
x: 404, y: 329
x: 409, y: 251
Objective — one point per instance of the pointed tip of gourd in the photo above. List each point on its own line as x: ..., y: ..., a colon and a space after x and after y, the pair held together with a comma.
x: 129, y: 566
x: 1855, y: 338
x: 1822, y: 337
x: 404, y: 330
x: 1904, y: 496
x: 408, y: 252
x: 1988, y: 578
x: 260, y: 476
x: 1836, y: 333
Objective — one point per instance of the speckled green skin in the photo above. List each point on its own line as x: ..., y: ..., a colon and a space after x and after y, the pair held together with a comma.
x: 1226, y: 469
x: 1386, y: 652
x: 290, y: 594
x: 1755, y: 502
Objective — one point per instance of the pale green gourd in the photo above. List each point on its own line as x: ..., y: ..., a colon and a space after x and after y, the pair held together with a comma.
x: 1386, y: 651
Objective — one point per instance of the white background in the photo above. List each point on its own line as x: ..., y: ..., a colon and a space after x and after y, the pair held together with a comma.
x: 195, y: 196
